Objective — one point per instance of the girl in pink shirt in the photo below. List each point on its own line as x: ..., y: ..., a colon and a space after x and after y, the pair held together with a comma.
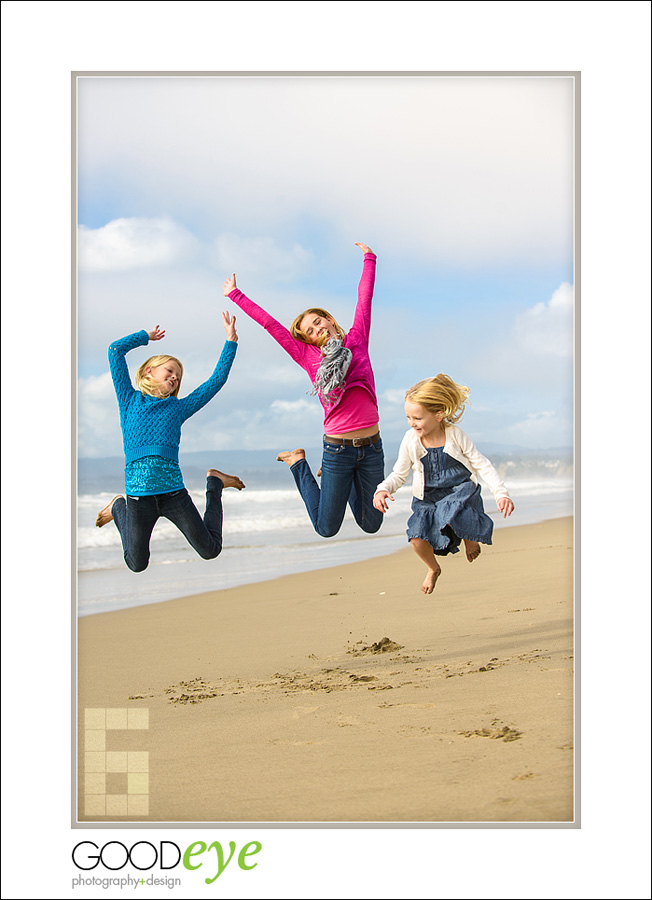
x: 339, y: 368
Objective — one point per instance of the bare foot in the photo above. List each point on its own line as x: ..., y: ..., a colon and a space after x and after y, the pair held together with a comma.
x: 472, y: 550
x: 105, y: 515
x: 319, y: 472
x: 291, y: 456
x: 430, y: 581
x: 227, y: 480
x: 425, y: 553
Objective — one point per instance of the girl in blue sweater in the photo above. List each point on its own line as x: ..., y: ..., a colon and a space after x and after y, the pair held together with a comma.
x: 151, y: 419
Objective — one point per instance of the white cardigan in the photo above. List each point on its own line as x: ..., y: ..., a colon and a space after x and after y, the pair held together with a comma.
x: 458, y: 445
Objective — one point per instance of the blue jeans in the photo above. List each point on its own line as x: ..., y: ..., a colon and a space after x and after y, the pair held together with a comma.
x: 135, y: 520
x: 348, y: 475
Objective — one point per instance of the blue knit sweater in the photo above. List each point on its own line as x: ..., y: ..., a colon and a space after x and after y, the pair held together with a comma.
x: 151, y: 426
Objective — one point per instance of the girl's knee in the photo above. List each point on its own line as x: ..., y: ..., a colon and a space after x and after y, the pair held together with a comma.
x: 369, y: 520
x: 210, y: 552
x: 328, y: 522
x: 371, y: 527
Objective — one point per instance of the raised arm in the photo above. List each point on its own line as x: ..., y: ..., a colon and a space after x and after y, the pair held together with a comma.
x: 118, y: 365
x: 362, y: 319
x: 279, y: 332
x: 201, y: 395
x: 206, y: 391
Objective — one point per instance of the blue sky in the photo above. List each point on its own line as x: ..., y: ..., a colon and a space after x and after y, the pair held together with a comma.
x: 463, y: 186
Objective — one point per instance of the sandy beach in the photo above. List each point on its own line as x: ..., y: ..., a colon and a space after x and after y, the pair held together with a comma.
x: 283, y: 702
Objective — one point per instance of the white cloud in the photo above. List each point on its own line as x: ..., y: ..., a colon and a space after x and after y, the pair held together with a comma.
x: 98, y: 426
x: 547, y: 328
x: 261, y: 257
x: 393, y: 396
x: 472, y: 170
x: 542, y: 429
x: 134, y: 243
x: 243, y: 411
x: 296, y: 407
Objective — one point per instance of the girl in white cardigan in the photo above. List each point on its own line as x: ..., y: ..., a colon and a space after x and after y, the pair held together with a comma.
x: 447, y: 507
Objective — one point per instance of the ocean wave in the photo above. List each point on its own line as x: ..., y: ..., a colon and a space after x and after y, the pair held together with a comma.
x: 263, y: 513
x: 538, y: 487
x: 258, y: 497
x: 90, y: 537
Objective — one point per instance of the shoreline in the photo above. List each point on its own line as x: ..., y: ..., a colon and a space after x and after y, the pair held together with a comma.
x: 114, y: 588
x: 283, y: 696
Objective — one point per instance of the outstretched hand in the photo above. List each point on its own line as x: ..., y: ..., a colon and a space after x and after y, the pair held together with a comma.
x: 229, y: 285
x: 364, y: 247
x: 229, y: 326
x: 506, y: 506
x: 380, y: 500
x: 157, y: 334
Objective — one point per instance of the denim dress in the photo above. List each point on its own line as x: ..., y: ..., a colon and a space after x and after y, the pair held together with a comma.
x: 451, y: 508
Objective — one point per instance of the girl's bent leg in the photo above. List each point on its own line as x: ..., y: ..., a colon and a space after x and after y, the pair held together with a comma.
x: 135, y: 519
x: 326, y: 505
x: 425, y: 553
x: 368, y: 474
x: 203, y: 535
x: 214, y: 513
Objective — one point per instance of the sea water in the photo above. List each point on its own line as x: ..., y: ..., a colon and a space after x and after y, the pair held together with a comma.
x: 267, y: 532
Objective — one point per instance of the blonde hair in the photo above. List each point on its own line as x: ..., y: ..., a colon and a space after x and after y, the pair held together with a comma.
x: 147, y: 384
x: 440, y: 394
x: 295, y: 327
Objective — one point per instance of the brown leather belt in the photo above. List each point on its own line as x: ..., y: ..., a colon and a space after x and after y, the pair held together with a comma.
x: 353, y: 442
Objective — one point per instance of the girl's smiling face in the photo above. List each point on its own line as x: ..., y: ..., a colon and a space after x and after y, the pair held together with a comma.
x: 318, y: 329
x: 167, y: 375
x: 426, y: 424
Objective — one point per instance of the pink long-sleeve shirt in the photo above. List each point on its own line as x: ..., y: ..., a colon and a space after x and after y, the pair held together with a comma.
x: 358, y: 407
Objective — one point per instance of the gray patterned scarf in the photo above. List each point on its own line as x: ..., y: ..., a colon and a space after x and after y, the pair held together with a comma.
x: 329, y: 384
